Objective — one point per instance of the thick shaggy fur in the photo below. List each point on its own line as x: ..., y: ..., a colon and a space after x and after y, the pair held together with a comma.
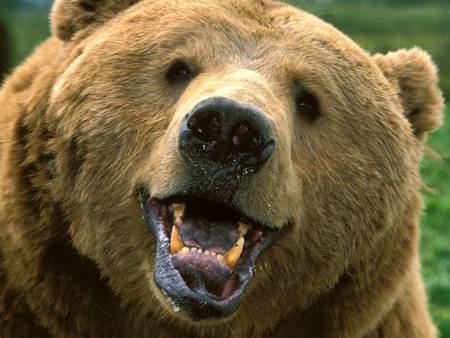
x: 89, y: 118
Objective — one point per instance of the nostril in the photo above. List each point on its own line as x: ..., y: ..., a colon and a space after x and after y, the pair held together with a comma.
x: 242, y: 129
x: 206, y: 128
x: 245, y: 139
x: 240, y: 135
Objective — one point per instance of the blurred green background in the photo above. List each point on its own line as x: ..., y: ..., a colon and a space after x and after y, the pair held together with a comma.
x: 378, y: 26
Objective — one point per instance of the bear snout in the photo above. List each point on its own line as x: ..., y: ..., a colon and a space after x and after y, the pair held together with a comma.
x: 226, y: 137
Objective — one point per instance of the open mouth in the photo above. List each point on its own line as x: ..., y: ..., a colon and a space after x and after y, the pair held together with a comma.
x: 206, y: 253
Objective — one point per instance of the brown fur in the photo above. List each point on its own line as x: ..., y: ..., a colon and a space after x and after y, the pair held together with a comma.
x: 88, y: 118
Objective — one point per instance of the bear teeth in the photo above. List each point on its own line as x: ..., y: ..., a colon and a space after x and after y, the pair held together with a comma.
x: 178, y: 212
x: 243, y: 228
x: 231, y: 257
x: 176, y: 243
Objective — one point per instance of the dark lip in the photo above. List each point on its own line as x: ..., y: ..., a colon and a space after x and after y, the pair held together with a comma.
x: 197, y: 305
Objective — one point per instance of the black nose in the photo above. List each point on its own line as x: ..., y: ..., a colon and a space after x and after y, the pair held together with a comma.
x: 223, y: 134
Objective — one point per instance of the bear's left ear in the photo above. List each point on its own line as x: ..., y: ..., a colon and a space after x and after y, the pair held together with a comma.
x: 70, y: 16
x: 414, y: 77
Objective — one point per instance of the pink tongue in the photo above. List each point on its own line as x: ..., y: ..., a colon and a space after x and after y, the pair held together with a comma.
x: 217, y: 236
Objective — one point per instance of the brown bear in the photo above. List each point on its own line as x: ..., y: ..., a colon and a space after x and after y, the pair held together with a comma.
x: 211, y: 168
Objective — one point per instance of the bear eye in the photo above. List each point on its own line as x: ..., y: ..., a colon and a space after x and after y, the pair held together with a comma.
x: 307, y: 105
x: 179, y: 73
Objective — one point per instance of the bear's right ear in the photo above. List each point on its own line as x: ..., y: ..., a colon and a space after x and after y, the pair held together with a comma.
x: 71, y: 16
x: 413, y: 75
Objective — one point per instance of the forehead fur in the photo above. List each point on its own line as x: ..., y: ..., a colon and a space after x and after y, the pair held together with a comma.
x: 259, y: 35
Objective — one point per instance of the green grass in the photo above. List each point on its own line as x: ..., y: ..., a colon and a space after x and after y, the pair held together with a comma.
x: 377, y: 29
x: 26, y: 30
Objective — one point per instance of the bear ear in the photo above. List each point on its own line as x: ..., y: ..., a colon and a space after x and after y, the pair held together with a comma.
x: 70, y: 16
x: 414, y: 77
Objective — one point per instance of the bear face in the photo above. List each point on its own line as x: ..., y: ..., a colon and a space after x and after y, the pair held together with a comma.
x: 233, y: 161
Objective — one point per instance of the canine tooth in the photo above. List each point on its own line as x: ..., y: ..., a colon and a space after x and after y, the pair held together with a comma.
x: 176, y: 243
x: 243, y: 228
x: 178, y: 212
x: 185, y: 250
x: 233, y: 255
